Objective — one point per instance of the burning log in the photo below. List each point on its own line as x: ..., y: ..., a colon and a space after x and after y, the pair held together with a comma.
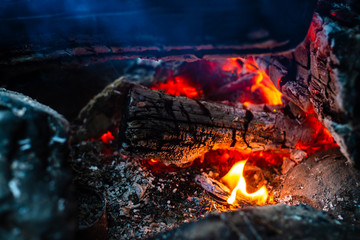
x: 323, y: 73
x: 177, y: 130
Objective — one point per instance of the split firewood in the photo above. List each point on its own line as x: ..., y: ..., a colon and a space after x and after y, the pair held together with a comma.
x: 176, y: 130
x: 216, y: 189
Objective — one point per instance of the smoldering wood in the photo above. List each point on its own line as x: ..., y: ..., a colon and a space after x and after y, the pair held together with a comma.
x: 177, y: 130
x: 323, y: 72
x: 219, y: 191
x: 325, y: 181
x: 186, y: 30
x: 141, y: 203
x: 267, y: 222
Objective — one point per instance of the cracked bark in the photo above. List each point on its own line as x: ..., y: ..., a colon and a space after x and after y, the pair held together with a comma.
x: 323, y: 73
x: 177, y: 130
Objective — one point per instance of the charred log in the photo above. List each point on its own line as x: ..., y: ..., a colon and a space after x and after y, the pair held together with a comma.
x: 177, y: 130
x: 323, y: 73
x: 34, y: 178
x: 268, y: 222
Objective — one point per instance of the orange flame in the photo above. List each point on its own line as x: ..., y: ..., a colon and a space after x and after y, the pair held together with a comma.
x: 205, y: 79
x: 263, y: 84
x: 236, y: 181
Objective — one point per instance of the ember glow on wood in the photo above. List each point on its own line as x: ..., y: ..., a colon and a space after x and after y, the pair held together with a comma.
x: 178, y: 90
x: 251, y: 84
x: 324, y: 140
x: 261, y: 83
x: 179, y: 86
x: 170, y: 142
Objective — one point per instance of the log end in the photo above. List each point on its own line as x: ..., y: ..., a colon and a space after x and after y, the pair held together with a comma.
x: 103, y: 112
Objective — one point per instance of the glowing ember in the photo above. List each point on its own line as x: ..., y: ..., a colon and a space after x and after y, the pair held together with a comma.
x: 232, y: 65
x: 179, y: 86
x: 260, y: 89
x: 157, y: 166
x: 153, y: 161
x: 107, y: 137
x: 232, y: 79
x: 236, y: 181
x: 323, y: 138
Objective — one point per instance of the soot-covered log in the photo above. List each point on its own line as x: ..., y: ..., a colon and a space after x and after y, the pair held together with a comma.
x: 35, y: 187
x: 323, y: 72
x: 267, y: 222
x: 58, y: 30
x: 176, y: 130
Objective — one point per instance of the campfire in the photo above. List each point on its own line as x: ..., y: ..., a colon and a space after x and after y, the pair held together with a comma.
x: 222, y: 123
x: 238, y: 82
x: 247, y: 129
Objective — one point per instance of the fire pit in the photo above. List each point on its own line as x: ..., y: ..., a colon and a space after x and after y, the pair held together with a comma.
x: 245, y: 132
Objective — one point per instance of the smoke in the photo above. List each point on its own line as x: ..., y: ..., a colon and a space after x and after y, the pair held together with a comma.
x: 128, y: 23
x: 45, y: 22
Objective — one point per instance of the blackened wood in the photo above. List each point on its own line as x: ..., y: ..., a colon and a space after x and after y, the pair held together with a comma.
x: 323, y: 73
x: 104, y: 112
x: 176, y: 130
x: 267, y: 222
x: 35, y: 192
x: 58, y: 30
